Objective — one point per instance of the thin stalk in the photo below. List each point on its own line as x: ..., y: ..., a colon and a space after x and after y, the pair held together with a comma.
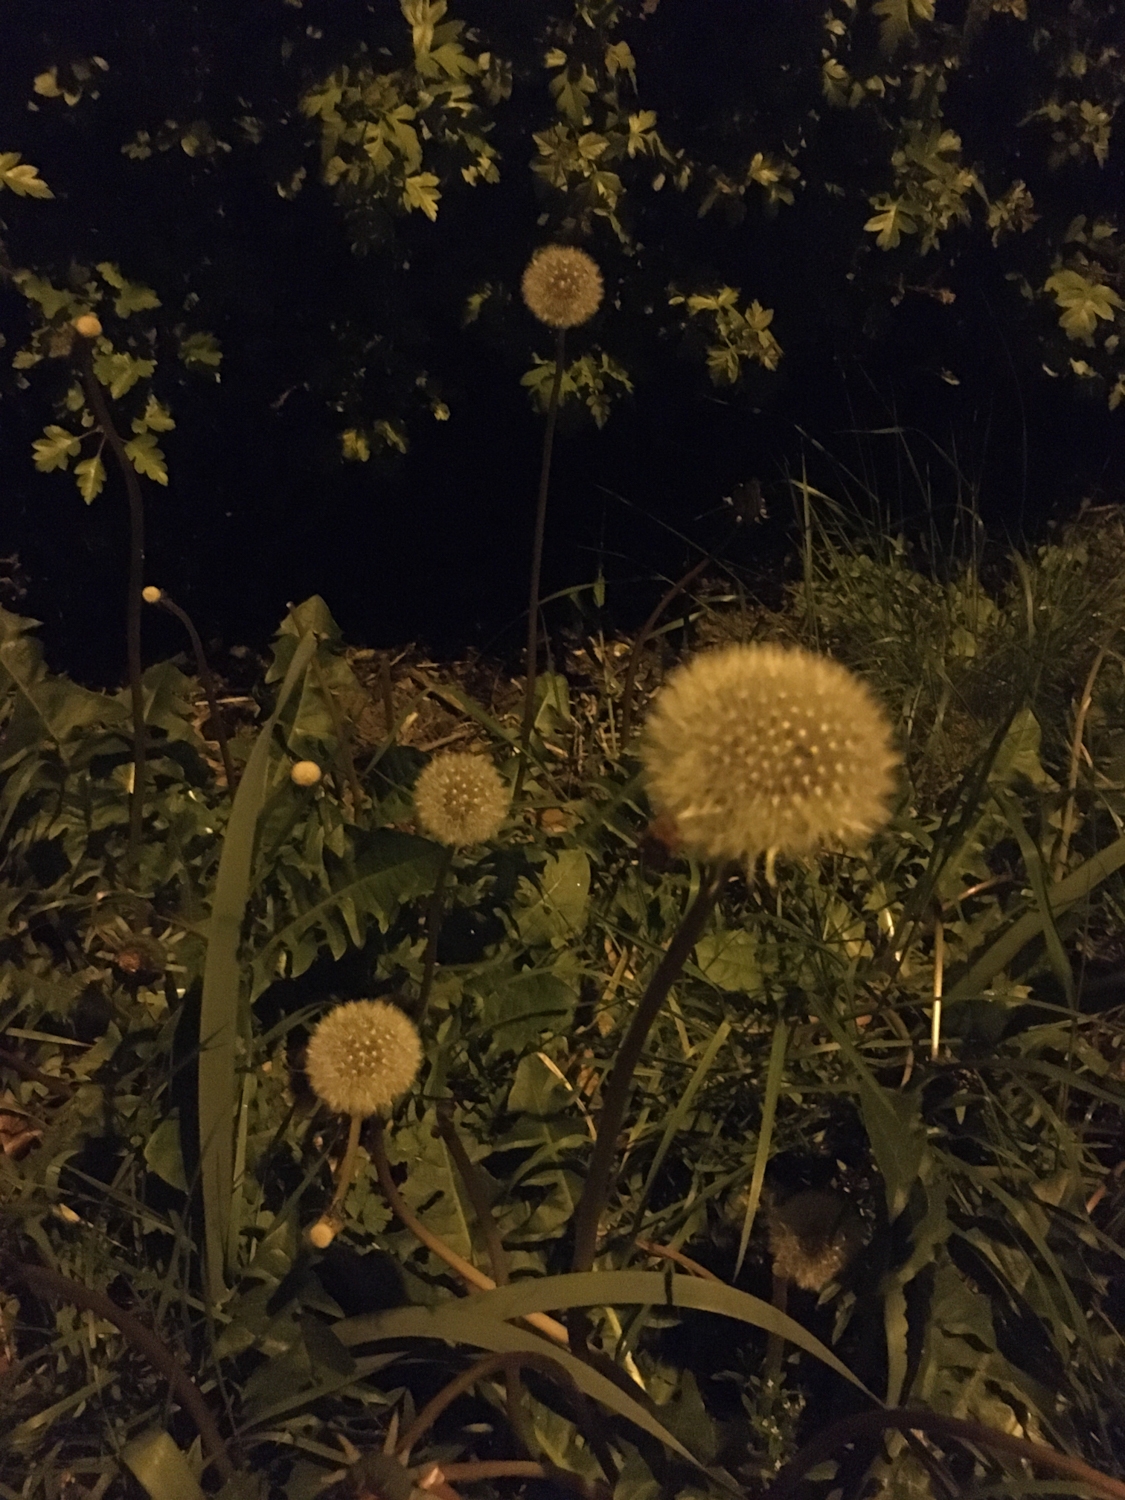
x: 639, y: 644
x: 497, y: 1255
x: 208, y: 682
x: 1062, y: 847
x: 136, y: 585
x: 434, y: 914
x: 618, y: 1088
x: 47, y: 1283
x: 475, y: 1280
x: 487, y: 1365
x: 872, y: 1423
x: 347, y: 1168
x: 537, y: 559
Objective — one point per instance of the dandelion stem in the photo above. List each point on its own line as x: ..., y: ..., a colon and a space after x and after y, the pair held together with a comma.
x: 102, y: 416
x: 618, y: 1088
x: 347, y: 1168
x: 434, y: 914
x: 537, y: 558
x: 208, y: 681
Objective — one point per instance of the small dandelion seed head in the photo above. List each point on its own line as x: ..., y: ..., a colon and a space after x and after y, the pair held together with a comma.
x: 88, y: 326
x: 461, y: 798
x: 760, y: 747
x: 813, y: 1237
x: 151, y: 594
x: 362, y: 1056
x: 305, y: 773
x: 562, y: 286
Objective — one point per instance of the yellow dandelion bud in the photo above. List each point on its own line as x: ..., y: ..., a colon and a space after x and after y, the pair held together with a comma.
x: 562, y: 286
x: 323, y: 1232
x: 88, y: 326
x: 813, y: 1237
x: 763, y: 748
x: 305, y: 773
x: 362, y: 1056
x: 461, y: 798
x: 151, y: 594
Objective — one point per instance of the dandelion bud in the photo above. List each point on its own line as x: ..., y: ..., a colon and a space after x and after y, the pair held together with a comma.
x: 88, y: 326
x: 323, y: 1232
x: 461, y: 798
x: 813, y: 1237
x: 763, y: 748
x: 363, y: 1056
x: 151, y: 594
x: 305, y: 773
x: 562, y: 286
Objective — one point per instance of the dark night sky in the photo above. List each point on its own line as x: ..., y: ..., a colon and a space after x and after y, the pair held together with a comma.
x: 434, y: 547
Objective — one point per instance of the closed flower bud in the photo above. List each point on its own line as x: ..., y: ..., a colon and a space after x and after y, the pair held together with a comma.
x: 323, y: 1232
x: 562, y: 286
x: 88, y: 326
x: 151, y: 594
x: 305, y: 773
x: 461, y: 798
x: 363, y: 1056
x: 757, y: 749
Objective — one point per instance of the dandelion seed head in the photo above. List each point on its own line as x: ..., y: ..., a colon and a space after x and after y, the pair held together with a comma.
x: 754, y: 748
x: 461, y: 798
x: 562, y: 286
x: 362, y: 1056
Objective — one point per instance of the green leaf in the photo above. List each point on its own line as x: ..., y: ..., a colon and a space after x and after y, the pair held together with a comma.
x: 898, y: 1141
x: 147, y: 457
x: 120, y: 371
x: 163, y: 1154
x: 161, y: 1468
x: 728, y: 959
x: 555, y: 912
x: 222, y: 1003
x: 156, y: 418
x: 43, y: 707
x: 765, y: 1137
x: 21, y: 177
x: 897, y: 18
x: 55, y: 449
x: 201, y: 351
x: 90, y: 474
x: 488, y: 1312
x: 421, y: 191
x: 132, y: 297
x: 1083, y: 303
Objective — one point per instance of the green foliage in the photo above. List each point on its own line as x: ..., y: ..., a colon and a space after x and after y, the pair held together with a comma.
x: 805, y: 1007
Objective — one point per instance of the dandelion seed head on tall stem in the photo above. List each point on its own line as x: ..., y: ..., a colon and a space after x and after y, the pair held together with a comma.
x: 363, y: 1056
x: 461, y: 799
x: 562, y: 286
x: 754, y: 749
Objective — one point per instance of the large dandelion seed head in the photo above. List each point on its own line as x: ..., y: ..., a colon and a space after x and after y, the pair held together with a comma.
x: 461, y: 798
x: 764, y: 748
x: 562, y: 286
x: 362, y: 1056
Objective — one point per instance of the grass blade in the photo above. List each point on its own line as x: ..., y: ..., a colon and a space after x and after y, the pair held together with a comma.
x: 220, y: 1006
x: 765, y: 1138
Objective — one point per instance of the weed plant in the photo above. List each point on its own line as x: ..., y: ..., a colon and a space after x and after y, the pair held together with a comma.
x: 862, y: 1217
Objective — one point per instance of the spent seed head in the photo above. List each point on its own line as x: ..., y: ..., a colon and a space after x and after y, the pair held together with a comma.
x: 362, y: 1056
x: 758, y: 748
x: 562, y: 286
x: 461, y: 798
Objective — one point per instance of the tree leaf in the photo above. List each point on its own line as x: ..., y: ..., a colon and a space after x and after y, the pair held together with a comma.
x: 21, y: 177
x: 147, y: 457
x: 90, y: 474
x: 55, y: 449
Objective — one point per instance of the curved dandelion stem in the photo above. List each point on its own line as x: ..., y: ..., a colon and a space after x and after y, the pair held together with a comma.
x: 618, y: 1088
